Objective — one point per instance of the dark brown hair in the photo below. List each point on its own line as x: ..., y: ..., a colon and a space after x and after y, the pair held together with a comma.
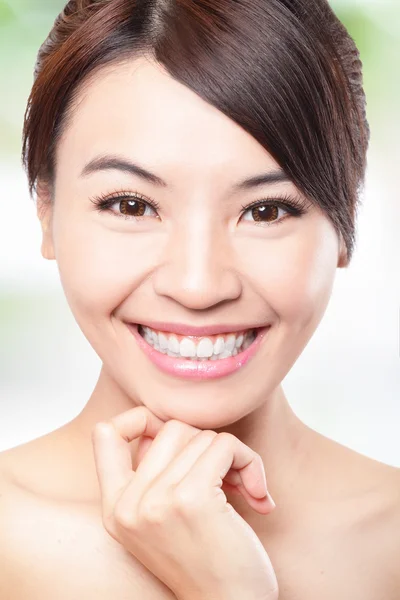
x: 286, y: 71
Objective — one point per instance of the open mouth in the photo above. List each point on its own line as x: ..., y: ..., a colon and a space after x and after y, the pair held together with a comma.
x: 199, y: 358
x: 203, y: 349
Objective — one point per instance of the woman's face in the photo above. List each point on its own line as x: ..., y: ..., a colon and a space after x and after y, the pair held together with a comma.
x: 199, y: 259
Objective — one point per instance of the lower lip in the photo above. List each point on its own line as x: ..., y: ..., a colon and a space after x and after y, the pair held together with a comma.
x: 190, y: 369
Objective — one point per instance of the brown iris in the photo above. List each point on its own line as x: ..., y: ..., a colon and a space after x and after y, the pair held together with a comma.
x: 133, y: 208
x: 260, y: 212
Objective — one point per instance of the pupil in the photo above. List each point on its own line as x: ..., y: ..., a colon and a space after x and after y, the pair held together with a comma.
x: 133, y: 208
x: 263, y: 210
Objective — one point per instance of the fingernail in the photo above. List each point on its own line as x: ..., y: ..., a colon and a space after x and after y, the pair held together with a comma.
x: 270, y: 499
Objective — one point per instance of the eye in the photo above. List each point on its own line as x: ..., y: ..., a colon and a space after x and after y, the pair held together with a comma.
x: 266, y: 212
x: 126, y: 205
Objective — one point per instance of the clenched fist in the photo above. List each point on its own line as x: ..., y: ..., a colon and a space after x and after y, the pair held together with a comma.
x: 172, y: 514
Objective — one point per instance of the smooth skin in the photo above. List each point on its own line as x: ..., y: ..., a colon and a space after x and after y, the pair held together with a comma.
x: 197, y: 260
x: 174, y: 500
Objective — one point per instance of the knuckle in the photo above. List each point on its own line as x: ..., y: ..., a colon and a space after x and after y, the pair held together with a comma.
x: 175, y: 427
x: 226, y: 438
x: 186, y: 500
x: 143, y: 411
x: 98, y: 428
x: 152, y: 511
x: 124, y: 518
x: 110, y: 527
x: 108, y: 520
x: 138, y: 411
x: 208, y: 434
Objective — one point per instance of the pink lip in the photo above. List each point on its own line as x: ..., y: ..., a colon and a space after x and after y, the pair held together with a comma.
x: 187, y: 330
x: 188, y: 369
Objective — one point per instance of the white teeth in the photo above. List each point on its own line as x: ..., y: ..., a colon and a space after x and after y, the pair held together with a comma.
x: 230, y: 343
x: 187, y: 348
x: 163, y: 341
x: 225, y: 354
x: 239, y: 341
x: 173, y: 344
x: 219, y: 345
x: 205, y: 350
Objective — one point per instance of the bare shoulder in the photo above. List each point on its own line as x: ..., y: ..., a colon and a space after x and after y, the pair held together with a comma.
x: 34, y: 530
x: 376, y: 499
x: 378, y: 528
x: 56, y: 547
x: 44, y: 541
x: 365, y: 520
x: 388, y: 536
x: 11, y: 567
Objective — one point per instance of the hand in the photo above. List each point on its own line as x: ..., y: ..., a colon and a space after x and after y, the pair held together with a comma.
x: 171, y: 513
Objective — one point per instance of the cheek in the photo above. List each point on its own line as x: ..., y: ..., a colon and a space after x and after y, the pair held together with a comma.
x: 99, y: 267
x: 295, y: 273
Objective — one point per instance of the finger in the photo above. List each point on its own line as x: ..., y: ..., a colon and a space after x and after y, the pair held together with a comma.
x: 263, y: 505
x: 230, y: 489
x: 143, y: 445
x: 130, y: 423
x: 173, y: 473
x: 224, y: 453
x: 166, y: 446
x: 185, y: 458
x: 112, y: 453
x: 185, y: 462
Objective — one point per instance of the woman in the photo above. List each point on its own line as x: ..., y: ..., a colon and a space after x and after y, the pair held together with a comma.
x: 197, y: 167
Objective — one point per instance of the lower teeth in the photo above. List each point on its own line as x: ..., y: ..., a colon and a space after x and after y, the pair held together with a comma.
x: 249, y: 339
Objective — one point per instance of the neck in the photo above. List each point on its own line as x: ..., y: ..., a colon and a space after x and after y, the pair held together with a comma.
x: 273, y: 430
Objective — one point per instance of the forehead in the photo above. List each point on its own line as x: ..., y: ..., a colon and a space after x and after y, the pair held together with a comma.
x: 139, y: 110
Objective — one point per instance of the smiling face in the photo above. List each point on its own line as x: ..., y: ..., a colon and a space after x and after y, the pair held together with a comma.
x: 199, y: 258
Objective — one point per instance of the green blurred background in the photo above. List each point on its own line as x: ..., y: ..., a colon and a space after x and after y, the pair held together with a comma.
x: 346, y: 383
x: 24, y: 25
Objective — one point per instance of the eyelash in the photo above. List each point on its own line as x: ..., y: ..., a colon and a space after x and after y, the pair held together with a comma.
x: 295, y: 207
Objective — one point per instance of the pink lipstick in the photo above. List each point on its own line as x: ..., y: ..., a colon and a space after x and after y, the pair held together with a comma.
x: 197, y: 369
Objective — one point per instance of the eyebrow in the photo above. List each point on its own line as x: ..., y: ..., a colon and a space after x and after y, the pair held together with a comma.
x: 108, y: 162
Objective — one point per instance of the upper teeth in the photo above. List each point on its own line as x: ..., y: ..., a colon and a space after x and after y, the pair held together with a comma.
x: 204, y: 347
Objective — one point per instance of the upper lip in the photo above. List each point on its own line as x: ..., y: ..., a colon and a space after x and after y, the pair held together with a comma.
x: 182, y: 329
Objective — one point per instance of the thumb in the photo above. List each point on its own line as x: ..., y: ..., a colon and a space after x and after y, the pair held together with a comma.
x: 143, y: 446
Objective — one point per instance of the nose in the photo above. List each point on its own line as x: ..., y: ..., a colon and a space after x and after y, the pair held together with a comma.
x: 196, y: 269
